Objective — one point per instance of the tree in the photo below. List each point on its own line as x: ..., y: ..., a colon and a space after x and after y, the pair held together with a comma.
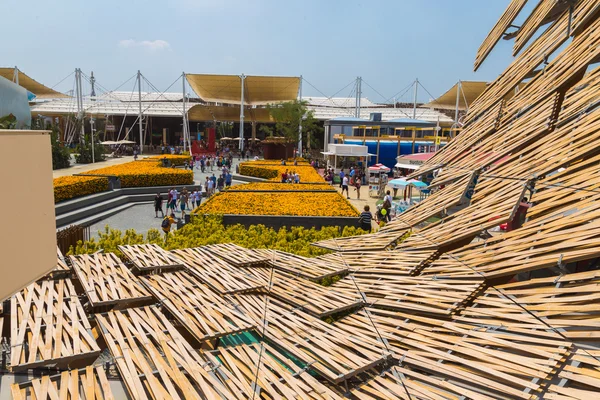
x: 61, y: 157
x: 84, y: 150
x: 287, y: 118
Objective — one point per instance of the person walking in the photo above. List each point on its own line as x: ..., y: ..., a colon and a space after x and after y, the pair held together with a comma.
x: 174, y: 197
x: 345, y: 187
x: 228, y: 178
x: 158, y: 201
x: 166, y: 224
x: 342, y: 175
x: 220, y: 183
x: 357, y: 186
x: 365, y: 219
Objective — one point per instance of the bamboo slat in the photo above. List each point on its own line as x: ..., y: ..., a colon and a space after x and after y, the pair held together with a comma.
x: 311, y: 297
x: 150, y: 257
x: 107, y: 281
x: 499, y: 29
x: 203, y: 313
x: 308, y: 268
x: 49, y: 326
x: 278, y: 376
x: 334, y: 353
x: 504, y: 363
x: 89, y: 383
x: 579, y: 379
x: 538, y: 17
x: 156, y: 362
x: 381, y: 263
x: 217, y: 273
x: 236, y: 255
x: 379, y: 240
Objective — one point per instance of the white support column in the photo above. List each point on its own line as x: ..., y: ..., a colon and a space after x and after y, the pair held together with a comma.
x: 92, y: 138
x: 458, y: 88
x: 184, y: 124
x: 243, y: 78
x: 16, y: 75
x: 299, y: 153
x: 80, y: 112
x: 139, y: 76
x: 358, y: 96
x: 415, y: 99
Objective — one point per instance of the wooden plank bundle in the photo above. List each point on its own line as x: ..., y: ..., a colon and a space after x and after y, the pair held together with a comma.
x: 49, y: 326
x: 566, y: 303
x: 278, y: 376
x: 539, y: 16
x: 311, y: 297
x: 107, y: 281
x: 156, y: 362
x: 379, y: 240
x: 308, y: 268
x: 89, y: 383
x: 498, y: 31
x: 381, y: 263
x: 333, y: 352
x: 237, y: 255
x: 202, y: 312
x: 150, y: 257
x: 579, y: 379
x: 217, y: 273
x: 502, y: 363
x: 494, y: 202
x: 414, y: 294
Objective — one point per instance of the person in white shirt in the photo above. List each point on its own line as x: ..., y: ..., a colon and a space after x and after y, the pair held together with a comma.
x: 210, y: 186
x: 345, y: 186
x: 174, y: 196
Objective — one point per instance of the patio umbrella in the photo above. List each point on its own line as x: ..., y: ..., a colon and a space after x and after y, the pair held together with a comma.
x: 400, y: 183
x: 108, y: 142
x: 125, y: 142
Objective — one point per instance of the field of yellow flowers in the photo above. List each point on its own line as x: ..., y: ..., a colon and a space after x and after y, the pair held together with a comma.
x: 67, y: 187
x: 278, y: 186
x: 283, y: 203
x: 273, y: 171
x: 147, y: 172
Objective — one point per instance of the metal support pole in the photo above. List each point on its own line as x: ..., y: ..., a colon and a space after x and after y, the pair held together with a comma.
x: 16, y: 75
x: 299, y: 153
x: 80, y: 115
x: 93, y: 83
x: 92, y: 138
x: 184, y: 125
x: 243, y: 78
x: 458, y: 88
x: 139, y: 76
x: 415, y: 99
x: 358, y: 96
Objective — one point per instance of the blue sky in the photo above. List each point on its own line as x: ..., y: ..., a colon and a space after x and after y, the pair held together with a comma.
x: 329, y: 42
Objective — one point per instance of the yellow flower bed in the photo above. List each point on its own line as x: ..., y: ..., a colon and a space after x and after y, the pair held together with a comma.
x: 284, y: 203
x: 273, y: 186
x: 176, y: 160
x: 273, y: 171
x: 67, y: 187
x: 140, y: 174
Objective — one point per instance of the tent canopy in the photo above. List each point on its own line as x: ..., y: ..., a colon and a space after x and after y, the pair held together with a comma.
x: 401, y: 183
x: 469, y: 91
x: 201, y: 112
x: 258, y: 90
x: 40, y: 91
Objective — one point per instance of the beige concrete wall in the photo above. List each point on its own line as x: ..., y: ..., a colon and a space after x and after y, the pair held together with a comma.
x: 28, y: 229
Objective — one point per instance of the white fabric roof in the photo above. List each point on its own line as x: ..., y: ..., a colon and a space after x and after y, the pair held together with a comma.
x: 133, y: 96
x: 339, y: 102
x: 99, y: 107
x: 425, y: 114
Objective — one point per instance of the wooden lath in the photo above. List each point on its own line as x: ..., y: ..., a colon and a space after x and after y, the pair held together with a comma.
x: 511, y: 137
x: 502, y: 363
x: 202, y: 312
x: 237, y: 255
x: 471, y: 134
x: 539, y: 16
x: 49, y: 326
x: 579, y: 379
x: 89, y: 383
x: 414, y: 294
x: 303, y: 294
x: 334, y: 353
x: 107, y: 281
x: 379, y: 240
x: 558, y: 306
x: 217, y: 273
x: 535, y: 54
x: 307, y: 268
x: 494, y: 202
x: 381, y: 263
x: 150, y: 257
x: 156, y: 362
x: 504, y: 22
x: 278, y: 376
